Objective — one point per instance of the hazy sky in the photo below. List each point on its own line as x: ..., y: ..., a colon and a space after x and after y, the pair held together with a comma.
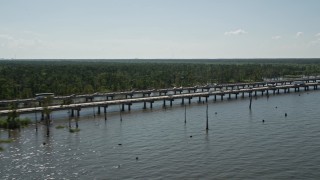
x: 159, y: 28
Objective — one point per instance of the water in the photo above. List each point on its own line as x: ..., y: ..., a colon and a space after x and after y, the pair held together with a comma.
x: 238, y: 144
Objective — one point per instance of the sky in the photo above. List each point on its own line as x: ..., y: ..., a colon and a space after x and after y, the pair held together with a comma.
x: 117, y: 29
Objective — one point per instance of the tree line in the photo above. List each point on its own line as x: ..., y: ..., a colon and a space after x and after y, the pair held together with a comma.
x: 25, y: 78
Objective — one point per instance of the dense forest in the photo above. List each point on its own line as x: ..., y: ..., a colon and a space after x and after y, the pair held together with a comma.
x: 24, y: 78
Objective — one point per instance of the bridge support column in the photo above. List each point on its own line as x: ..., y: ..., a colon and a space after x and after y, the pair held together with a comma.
x: 151, y: 104
x: 182, y: 101
x: 229, y: 96
x: 190, y: 100
x: 278, y: 91
x: 99, y: 111
x: 236, y: 96
x: 199, y: 99
x: 222, y: 97
x: 215, y: 97
x: 48, y: 117
x: 122, y: 109
x: 242, y: 94
x: 255, y: 93
x: 171, y: 102
x: 164, y: 103
x: 129, y: 106
x: 144, y: 105
x: 72, y: 113
x: 42, y: 116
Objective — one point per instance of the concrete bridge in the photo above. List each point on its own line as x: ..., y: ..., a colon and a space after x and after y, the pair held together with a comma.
x: 155, y: 92
x: 215, y: 91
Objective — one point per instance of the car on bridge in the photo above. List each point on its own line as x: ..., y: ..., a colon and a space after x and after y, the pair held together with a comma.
x: 41, y: 96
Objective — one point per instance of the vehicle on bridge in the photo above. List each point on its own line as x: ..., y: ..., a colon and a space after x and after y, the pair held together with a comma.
x: 40, y: 96
x: 298, y: 83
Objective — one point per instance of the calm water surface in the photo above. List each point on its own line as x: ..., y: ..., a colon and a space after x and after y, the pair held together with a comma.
x: 238, y: 144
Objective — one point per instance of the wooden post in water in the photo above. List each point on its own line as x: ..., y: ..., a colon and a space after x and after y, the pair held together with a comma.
x: 250, y: 94
x: 70, y: 115
x: 105, y: 113
x: 36, y: 118
x: 94, y: 113
x: 120, y: 113
x: 207, y: 124
x: 185, y: 114
x: 78, y: 115
x: 48, y: 124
